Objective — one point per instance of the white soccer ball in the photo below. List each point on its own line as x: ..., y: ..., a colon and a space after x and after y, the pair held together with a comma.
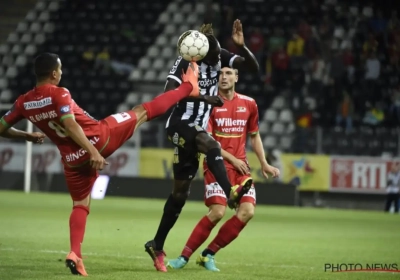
x: 193, y: 45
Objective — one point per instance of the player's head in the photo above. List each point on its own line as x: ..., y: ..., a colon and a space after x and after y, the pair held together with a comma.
x: 214, y: 50
x: 48, y: 68
x: 227, y: 79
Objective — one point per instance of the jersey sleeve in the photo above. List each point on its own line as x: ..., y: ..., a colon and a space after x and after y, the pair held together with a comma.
x: 179, y: 66
x: 227, y: 58
x: 13, y: 115
x: 63, y: 103
x: 253, y: 119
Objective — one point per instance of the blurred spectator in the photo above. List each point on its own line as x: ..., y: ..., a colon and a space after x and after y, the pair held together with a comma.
x: 317, y: 69
x: 337, y: 74
x: 295, y: 46
x: 379, y: 23
x: 395, y: 106
x: 371, y: 45
x: 304, y: 30
x: 393, y: 188
x: 348, y: 61
x: 256, y: 43
x: 88, y: 58
x: 345, y: 112
x: 103, y: 60
x: 394, y: 51
x: 276, y: 41
x: 280, y: 65
x: 374, y: 116
x: 372, y: 72
x: 394, y: 21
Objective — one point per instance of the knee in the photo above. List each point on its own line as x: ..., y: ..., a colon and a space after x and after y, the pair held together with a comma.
x: 246, y: 213
x: 181, y: 191
x: 217, y: 212
x: 205, y: 143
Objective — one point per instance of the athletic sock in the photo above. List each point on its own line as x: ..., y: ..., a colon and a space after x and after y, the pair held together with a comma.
x: 77, y: 224
x: 172, y: 209
x: 160, y: 104
x: 227, y: 233
x: 215, y: 163
x: 199, y: 234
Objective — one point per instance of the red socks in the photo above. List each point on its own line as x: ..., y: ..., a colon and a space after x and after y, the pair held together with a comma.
x: 163, y: 102
x: 199, y: 234
x: 227, y: 233
x: 77, y: 224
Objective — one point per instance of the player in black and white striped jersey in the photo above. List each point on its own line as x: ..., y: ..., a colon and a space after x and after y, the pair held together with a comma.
x: 186, y: 129
x: 393, y: 189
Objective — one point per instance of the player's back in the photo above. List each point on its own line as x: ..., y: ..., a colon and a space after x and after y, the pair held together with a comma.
x: 47, y: 106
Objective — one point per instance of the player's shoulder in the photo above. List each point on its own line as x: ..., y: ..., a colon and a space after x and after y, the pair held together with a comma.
x: 179, y: 63
x: 245, y: 98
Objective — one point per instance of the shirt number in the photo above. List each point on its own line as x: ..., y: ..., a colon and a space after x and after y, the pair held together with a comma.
x: 121, y: 117
x: 60, y: 131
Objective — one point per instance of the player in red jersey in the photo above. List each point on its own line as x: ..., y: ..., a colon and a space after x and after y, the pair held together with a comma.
x: 229, y: 125
x: 83, y: 142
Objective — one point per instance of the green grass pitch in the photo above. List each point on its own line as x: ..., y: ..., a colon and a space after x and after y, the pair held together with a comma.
x: 279, y: 243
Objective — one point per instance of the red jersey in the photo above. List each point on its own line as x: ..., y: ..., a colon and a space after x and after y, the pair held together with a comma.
x: 46, y: 107
x: 231, y: 123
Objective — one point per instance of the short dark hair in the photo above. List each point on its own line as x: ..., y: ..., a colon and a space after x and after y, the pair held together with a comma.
x: 44, y: 64
x: 207, y: 30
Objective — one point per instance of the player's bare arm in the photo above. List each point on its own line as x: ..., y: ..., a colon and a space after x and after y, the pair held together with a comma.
x: 257, y: 146
x: 239, y: 165
x: 247, y: 60
x: 75, y: 132
x: 12, y: 133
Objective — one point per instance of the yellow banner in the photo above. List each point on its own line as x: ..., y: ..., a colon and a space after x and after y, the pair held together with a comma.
x: 157, y: 163
x: 309, y: 172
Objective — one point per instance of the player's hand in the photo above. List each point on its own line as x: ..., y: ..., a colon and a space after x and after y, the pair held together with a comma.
x: 267, y: 170
x: 237, y: 33
x: 216, y: 101
x: 36, y: 137
x: 97, y: 161
x: 241, y: 166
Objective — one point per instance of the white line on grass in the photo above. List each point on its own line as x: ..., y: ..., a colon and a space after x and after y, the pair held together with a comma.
x: 143, y: 257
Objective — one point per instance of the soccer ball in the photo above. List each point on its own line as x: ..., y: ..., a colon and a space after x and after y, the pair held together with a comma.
x: 193, y: 45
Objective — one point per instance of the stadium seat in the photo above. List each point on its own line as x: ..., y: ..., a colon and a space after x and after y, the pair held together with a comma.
x: 6, y: 95
x: 153, y: 52
x: 12, y: 38
x: 269, y: 142
x: 146, y: 97
x: 161, y: 40
x: 132, y: 99
x: 278, y: 128
x: 21, y: 61
x: 278, y: 102
x: 263, y: 127
x: 150, y: 76
x: 3, y: 83
x: 270, y: 115
x: 164, y: 18
x: 4, y: 49
x: 286, y: 116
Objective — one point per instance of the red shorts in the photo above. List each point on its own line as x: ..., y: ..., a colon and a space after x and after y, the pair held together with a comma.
x: 214, y: 194
x: 117, y: 129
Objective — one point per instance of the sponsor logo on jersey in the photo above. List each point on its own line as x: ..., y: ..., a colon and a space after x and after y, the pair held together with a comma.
x: 222, y: 110
x: 214, y: 189
x: 38, y: 104
x: 81, y: 152
x: 230, y: 122
x: 65, y: 109
x: 43, y: 116
x: 241, y: 109
x: 208, y: 82
x: 173, y: 69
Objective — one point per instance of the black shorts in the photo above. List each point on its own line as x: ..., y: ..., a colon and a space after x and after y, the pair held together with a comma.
x: 186, y: 156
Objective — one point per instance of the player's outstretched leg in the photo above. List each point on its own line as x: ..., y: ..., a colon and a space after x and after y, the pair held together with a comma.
x: 161, y: 104
x: 229, y: 231
x: 77, y: 225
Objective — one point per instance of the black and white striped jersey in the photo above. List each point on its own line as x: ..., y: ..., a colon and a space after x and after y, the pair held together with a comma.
x: 192, y: 109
